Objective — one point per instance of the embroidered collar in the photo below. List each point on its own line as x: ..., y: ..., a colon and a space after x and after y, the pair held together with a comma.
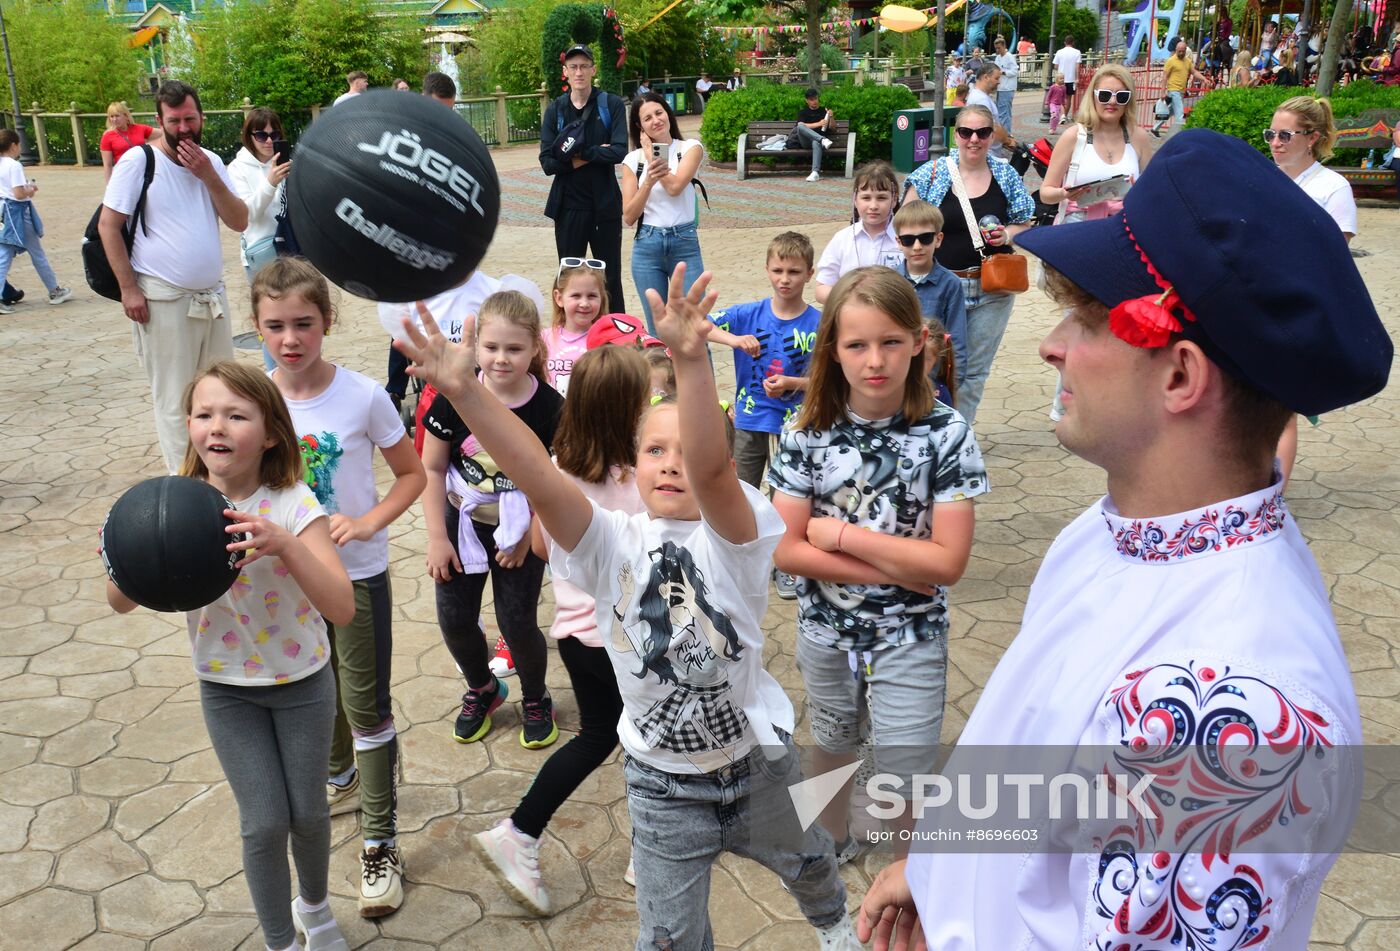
x: 1222, y: 526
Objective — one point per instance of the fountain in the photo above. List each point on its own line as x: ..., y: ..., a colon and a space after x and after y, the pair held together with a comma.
x: 179, y: 50
x: 447, y: 64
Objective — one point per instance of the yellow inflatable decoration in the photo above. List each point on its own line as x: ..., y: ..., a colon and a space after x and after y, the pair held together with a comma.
x: 902, y: 19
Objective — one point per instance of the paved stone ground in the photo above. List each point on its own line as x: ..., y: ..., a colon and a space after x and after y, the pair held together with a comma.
x: 117, y: 829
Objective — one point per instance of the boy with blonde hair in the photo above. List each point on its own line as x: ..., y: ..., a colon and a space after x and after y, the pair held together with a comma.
x: 918, y: 228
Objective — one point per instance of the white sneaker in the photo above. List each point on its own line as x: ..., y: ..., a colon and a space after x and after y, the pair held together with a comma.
x: 60, y: 294
x: 381, y: 881
x: 317, y: 929
x: 846, y: 851
x: 839, y: 937
x: 514, y: 857
x: 786, y: 585
x: 826, y: 143
x: 343, y: 799
x: 814, y: 176
x: 7, y: 308
x: 630, y: 876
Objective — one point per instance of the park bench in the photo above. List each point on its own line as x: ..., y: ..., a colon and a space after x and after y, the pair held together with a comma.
x: 925, y: 90
x: 1369, y: 130
x: 843, y: 140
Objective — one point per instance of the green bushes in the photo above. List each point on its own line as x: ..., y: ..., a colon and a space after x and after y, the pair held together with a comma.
x: 869, y: 109
x: 1246, y: 112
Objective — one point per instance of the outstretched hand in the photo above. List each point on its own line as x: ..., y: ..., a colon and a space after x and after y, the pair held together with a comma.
x: 683, y: 322
x: 449, y: 367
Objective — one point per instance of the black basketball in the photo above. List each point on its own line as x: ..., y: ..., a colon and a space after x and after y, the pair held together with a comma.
x: 164, y: 544
x: 393, y: 196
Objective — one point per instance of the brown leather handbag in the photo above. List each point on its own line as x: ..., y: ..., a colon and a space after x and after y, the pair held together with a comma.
x: 1000, y: 273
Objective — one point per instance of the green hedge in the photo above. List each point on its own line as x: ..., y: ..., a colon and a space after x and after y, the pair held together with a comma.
x: 869, y: 109
x: 1246, y: 112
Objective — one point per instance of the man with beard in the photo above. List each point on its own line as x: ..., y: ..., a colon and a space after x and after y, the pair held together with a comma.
x: 172, y: 281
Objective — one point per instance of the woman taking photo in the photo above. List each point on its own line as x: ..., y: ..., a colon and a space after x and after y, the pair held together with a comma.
x: 1104, y: 142
x: 656, y: 189
x: 993, y: 189
x: 257, y: 179
x: 122, y: 133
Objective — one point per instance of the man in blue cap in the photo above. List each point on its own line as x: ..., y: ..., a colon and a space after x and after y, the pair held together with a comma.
x: 1181, y: 621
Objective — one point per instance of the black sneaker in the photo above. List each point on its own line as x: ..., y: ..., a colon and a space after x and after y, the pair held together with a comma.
x: 12, y: 295
x: 474, y: 722
x: 539, y: 730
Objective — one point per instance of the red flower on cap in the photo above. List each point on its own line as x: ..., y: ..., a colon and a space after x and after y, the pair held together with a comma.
x: 1148, y: 321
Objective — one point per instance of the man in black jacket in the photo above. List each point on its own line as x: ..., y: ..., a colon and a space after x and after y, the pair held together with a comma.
x: 584, y: 200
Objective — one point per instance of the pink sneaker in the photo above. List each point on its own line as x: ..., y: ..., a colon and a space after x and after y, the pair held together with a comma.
x: 514, y: 857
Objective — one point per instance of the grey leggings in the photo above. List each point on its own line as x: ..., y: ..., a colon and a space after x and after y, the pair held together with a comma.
x: 273, y: 744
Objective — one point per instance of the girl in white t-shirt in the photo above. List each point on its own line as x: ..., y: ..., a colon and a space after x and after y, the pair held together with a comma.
x: 580, y: 295
x: 340, y: 418
x: 594, y: 447
x: 260, y: 651
x: 681, y: 590
x: 657, y: 176
x: 22, y: 228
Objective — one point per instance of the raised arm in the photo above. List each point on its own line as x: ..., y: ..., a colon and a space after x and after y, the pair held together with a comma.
x: 563, y: 510
x: 684, y: 325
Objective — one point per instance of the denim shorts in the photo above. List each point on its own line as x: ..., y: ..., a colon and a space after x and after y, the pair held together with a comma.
x: 899, y: 689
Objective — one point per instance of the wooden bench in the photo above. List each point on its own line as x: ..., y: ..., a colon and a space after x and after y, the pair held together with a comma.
x: 919, y: 87
x: 1377, y: 184
x: 842, y: 140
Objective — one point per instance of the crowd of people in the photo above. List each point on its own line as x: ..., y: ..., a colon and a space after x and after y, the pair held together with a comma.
x: 840, y: 472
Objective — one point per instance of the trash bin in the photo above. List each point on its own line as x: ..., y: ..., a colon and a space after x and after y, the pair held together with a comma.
x: 910, y: 145
x: 677, y: 96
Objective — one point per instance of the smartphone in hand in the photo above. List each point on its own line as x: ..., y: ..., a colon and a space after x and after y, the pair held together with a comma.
x: 282, y: 151
x: 656, y: 150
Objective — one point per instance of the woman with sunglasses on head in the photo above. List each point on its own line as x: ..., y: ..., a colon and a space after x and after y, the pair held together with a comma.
x: 993, y: 189
x: 122, y: 133
x: 1104, y: 142
x: 657, y: 197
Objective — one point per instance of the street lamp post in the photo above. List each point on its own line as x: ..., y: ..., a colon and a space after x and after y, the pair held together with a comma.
x: 26, y: 149
x: 1049, y: 63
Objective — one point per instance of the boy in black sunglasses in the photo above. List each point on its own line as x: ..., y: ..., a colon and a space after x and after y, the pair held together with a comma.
x: 918, y: 227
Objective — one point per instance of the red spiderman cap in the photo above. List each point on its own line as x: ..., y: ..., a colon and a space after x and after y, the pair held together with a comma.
x: 621, y: 330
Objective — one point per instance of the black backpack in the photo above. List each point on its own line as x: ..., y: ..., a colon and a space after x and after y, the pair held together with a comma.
x: 96, y: 268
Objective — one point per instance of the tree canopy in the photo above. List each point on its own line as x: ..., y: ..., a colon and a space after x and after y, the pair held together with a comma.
x: 70, y: 51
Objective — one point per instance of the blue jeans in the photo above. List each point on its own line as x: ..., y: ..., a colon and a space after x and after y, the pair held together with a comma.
x: 987, y: 317
x: 655, y: 254
x: 681, y: 824
x: 1178, y: 110
x: 36, y: 257
x: 1004, y: 101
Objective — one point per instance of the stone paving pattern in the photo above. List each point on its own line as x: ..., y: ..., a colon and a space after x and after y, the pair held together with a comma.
x: 118, y: 831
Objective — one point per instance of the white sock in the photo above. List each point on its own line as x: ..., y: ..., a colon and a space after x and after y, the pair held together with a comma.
x: 344, y: 778
x: 310, y: 909
x: 294, y: 946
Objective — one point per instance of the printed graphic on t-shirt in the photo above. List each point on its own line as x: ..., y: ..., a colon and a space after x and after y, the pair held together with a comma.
x: 786, y: 351
x: 320, y: 457
x: 884, y: 476
x: 682, y: 639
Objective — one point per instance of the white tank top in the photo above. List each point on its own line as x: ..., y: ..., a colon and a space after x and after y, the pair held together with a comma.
x: 1088, y: 166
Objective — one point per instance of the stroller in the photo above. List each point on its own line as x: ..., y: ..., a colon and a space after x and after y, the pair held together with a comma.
x: 1037, y: 155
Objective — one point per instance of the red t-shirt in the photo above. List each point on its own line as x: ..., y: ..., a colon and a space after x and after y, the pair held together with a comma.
x: 118, y: 142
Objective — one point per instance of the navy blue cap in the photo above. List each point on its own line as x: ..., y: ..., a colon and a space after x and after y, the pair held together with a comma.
x: 1264, y: 269
x: 578, y: 49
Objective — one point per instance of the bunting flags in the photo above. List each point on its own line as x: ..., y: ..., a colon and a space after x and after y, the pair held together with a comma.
x: 802, y: 27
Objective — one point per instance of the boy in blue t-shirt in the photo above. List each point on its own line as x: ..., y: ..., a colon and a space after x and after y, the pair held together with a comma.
x: 918, y: 227
x: 772, y: 341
